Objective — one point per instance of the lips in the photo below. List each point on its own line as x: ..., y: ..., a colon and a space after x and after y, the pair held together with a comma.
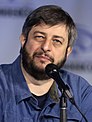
x: 44, y: 58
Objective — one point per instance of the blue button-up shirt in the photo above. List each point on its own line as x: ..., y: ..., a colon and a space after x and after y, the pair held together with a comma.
x: 17, y: 104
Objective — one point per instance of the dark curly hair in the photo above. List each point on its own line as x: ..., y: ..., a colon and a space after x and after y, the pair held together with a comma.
x: 50, y: 15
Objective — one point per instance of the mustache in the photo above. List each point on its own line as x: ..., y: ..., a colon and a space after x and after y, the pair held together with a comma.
x: 40, y: 53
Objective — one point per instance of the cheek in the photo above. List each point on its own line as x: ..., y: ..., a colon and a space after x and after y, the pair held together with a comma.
x: 59, y: 55
x: 31, y: 47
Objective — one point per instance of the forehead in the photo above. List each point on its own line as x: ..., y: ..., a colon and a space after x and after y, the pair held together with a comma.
x: 59, y: 29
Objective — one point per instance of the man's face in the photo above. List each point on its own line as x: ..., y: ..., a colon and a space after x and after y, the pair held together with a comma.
x: 44, y: 45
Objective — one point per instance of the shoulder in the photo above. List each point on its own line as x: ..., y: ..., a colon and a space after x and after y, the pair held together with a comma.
x: 6, y: 74
x: 72, y: 79
x: 6, y: 69
x: 78, y: 85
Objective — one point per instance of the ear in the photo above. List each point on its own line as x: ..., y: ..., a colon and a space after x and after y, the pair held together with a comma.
x: 69, y: 50
x: 22, y: 39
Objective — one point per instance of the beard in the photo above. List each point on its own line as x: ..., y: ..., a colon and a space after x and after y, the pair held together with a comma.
x: 32, y: 69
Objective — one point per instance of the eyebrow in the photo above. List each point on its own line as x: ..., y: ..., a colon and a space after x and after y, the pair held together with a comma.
x: 39, y: 32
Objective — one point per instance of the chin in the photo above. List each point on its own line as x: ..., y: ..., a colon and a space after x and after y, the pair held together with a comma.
x: 41, y: 64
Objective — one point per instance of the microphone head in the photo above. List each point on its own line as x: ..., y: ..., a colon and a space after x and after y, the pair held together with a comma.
x: 51, y: 70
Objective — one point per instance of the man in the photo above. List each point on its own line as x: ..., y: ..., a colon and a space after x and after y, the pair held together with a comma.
x: 27, y: 94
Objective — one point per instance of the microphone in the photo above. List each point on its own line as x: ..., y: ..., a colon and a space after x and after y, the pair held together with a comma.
x: 52, y: 71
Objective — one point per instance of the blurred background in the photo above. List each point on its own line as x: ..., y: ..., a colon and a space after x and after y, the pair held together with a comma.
x: 12, y: 17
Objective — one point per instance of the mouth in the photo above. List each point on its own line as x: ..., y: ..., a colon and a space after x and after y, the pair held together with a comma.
x: 43, y: 58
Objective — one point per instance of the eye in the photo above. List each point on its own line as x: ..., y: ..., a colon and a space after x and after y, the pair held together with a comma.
x: 39, y: 37
x: 57, y: 41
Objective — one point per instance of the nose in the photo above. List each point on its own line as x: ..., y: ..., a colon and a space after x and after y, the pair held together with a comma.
x: 46, y: 46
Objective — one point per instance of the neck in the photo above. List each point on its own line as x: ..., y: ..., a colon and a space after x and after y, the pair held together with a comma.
x: 37, y: 87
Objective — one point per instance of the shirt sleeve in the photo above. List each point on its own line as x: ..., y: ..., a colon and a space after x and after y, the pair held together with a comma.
x: 86, y: 99
x: 2, y: 94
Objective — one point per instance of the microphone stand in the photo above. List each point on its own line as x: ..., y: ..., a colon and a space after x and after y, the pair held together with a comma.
x: 63, y: 107
x: 53, y: 72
